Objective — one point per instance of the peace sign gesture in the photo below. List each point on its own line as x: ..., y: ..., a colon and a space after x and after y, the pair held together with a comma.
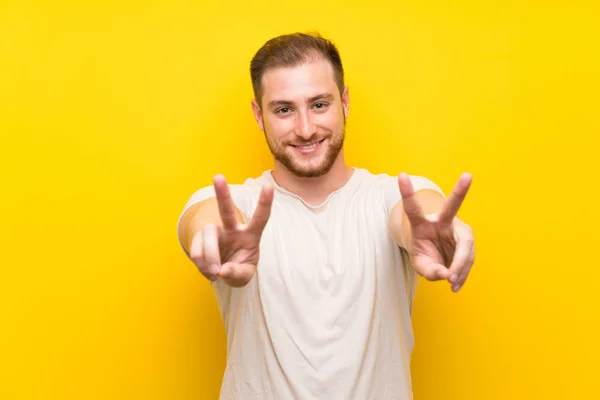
x: 440, y: 245
x: 231, y: 250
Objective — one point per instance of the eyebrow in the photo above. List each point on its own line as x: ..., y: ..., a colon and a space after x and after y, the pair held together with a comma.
x: 323, y: 96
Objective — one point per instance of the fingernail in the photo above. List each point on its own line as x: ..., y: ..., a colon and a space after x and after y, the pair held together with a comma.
x: 455, y: 288
x: 213, y: 269
x: 453, y: 278
x: 212, y: 278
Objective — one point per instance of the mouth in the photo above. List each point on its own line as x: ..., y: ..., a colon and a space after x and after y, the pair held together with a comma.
x: 308, y: 148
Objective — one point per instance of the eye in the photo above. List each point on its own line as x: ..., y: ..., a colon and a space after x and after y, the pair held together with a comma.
x: 320, y: 106
x: 282, y: 110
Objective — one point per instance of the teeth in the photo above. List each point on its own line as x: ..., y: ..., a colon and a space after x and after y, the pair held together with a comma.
x: 310, y: 146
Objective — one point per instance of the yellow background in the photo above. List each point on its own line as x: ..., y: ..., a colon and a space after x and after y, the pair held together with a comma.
x: 113, y: 112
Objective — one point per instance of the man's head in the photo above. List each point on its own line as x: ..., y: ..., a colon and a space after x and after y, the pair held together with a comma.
x: 300, y: 100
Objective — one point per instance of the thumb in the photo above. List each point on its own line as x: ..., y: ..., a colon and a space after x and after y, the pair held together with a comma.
x: 236, y: 275
x: 443, y: 272
x: 433, y: 272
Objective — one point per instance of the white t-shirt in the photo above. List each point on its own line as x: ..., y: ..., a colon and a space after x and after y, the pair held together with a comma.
x: 328, y: 313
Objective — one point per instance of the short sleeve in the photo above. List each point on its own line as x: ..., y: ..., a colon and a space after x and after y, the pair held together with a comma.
x: 392, y: 191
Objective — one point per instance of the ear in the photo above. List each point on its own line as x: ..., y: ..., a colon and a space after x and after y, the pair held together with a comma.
x: 258, y: 114
x: 346, y: 101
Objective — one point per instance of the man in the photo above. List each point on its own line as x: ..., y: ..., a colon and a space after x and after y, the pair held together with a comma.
x: 314, y: 263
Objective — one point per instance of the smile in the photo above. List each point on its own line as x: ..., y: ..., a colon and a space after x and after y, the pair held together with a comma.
x: 308, y: 148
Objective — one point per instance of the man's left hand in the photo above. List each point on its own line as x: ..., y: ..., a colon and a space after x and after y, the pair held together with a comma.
x: 440, y: 245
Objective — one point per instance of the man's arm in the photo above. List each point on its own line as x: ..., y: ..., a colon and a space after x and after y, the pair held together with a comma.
x: 431, y: 202
x: 216, y: 237
x: 198, y: 216
x: 439, y: 244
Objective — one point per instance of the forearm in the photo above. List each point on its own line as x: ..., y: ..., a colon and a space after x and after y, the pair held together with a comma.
x: 400, y: 228
x: 197, y: 217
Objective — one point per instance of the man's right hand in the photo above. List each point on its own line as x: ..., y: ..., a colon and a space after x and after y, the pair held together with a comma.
x: 231, y: 251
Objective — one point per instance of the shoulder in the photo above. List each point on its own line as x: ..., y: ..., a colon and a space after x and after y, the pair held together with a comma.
x: 386, y: 185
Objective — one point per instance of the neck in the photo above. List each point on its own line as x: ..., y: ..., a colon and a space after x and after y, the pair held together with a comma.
x: 314, y: 190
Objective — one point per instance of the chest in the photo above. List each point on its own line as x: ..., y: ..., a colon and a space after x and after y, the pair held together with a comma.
x: 342, y: 244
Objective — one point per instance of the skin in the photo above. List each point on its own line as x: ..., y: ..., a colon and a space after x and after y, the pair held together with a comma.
x: 302, y: 105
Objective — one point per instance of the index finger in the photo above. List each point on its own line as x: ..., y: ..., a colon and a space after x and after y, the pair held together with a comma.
x: 263, y: 209
x: 226, y: 206
x: 412, y: 208
x: 455, y: 199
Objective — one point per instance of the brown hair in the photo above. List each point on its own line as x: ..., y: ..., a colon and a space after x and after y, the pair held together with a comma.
x: 291, y: 50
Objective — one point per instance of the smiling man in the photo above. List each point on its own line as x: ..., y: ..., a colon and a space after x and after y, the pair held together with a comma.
x: 314, y: 263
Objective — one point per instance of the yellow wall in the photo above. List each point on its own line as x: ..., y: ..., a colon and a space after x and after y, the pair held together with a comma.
x: 113, y: 112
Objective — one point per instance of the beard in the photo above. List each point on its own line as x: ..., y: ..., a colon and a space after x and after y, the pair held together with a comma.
x: 308, y: 167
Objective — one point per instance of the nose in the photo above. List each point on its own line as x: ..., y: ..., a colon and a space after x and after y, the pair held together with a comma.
x: 304, y: 126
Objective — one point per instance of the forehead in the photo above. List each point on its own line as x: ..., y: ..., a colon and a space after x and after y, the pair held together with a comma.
x: 299, y: 82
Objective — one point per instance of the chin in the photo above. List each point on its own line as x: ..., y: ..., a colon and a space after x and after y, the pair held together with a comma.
x: 310, y: 173
x: 310, y: 170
